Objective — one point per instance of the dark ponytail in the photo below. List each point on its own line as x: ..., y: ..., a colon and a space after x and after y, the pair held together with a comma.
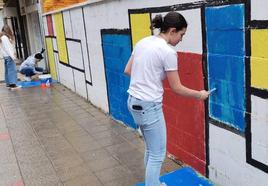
x: 157, y: 22
x: 171, y: 20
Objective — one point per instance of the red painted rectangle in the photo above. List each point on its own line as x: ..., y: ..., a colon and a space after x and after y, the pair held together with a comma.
x: 185, y: 117
x: 50, y: 25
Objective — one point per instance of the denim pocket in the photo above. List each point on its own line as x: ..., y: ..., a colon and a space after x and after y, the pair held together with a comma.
x: 138, y: 116
x: 144, y: 112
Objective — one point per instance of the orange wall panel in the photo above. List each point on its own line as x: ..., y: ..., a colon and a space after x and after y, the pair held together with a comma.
x: 50, y: 5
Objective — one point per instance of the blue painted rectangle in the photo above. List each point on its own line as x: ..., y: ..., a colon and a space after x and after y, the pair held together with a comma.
x: 227, y: 93
x: 183, y: 177
x: 228, y: 68
x: 229, y: 115
x: 225, y: 35
x: 226, y: 42
x: 116, y: 52
x: 225, y: 17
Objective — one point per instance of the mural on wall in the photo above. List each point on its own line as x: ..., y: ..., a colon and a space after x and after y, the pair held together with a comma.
x: 186, y: 134
x: 50, y: 5
x: 225, y: 35
x: 67, y: 50
x: 224, y: 47
x: 257, y: 129
x: 116, y: 51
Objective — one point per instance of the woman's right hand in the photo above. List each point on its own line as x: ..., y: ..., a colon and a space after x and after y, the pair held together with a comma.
x: 203, y: 94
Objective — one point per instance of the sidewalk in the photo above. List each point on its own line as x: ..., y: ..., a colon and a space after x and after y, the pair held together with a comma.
x: 54, y: 137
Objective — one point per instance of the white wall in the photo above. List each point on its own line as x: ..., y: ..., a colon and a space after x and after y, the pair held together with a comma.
x: 228, y: 165
x: 1, y: 19
x: 259, y: 9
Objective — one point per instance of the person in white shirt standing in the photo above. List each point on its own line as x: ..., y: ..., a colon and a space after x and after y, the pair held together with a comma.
x: 29, y: 67
x: 8, y: 52
x: 152, y: 61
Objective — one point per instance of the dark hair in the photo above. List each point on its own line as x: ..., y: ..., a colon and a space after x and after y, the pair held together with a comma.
x: 171, y: 20
x: 6, y: 30
x: 38, y: 56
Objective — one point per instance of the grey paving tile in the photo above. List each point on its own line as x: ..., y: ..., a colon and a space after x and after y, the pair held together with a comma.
x: 87, y: 121
x: 57, y: 154
x: 95, y: 154
x: 130, y: 135
x: 138, y: 143
x: 113, y: 173
x: 38, y: 127
x: 6, y: 152
x: 120, y: 148
x: 119, y: 128
x: 56, y: 143
x: 86, y: 146
x: 102, y: 164
x: 103, y: 134
x: 75, y: 134
x: 37, y: 169
x: 73, y: 172
x: 43, y: 181
x: 98, y: 128
x: 108, y: 141
x: 130, y: 158
x: 138, y: 171
x: 125, y: 181
x: 3, y: 128
x: 30, y: 153
x: 68, y: 126
x: 48, y: 133
x: 10, y: 173
x: 84, y: 180
x: 67, y: 161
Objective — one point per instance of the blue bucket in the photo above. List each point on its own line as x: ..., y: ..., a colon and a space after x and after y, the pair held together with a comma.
x: 46, y: 80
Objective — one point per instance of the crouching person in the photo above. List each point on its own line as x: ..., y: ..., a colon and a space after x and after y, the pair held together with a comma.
x: 29, y: 67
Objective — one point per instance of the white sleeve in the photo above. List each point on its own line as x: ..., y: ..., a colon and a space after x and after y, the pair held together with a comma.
x: 7, y: 47
x: 171, y: 61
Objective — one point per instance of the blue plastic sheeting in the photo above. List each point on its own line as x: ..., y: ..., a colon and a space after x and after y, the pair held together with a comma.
x: 183, y: 177
x: 225, y: 33
x: 116, y: 52
x: 28, y: 84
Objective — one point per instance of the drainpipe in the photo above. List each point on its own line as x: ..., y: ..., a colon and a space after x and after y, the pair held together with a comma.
x: 42, y: 31
x: 22, y: 31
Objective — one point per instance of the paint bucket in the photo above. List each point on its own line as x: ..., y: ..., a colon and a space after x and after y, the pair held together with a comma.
x: 46, y: 80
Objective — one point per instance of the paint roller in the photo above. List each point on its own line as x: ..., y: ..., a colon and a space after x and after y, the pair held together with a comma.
x: 212, y: 90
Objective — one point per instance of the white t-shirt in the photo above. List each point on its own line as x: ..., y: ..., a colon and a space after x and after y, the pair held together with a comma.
x: 152, y: 58
x: 7, y: 49
x: 29, y: 62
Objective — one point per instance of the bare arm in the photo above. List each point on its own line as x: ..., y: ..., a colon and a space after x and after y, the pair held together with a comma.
x: 178, y: 88
x: 129, y: 66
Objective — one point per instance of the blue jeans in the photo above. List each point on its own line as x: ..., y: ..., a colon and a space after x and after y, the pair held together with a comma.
x: 29, y: 71
x: 10, y: 71
x: 150, y: 118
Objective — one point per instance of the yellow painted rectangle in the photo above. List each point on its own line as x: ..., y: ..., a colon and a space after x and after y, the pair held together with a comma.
x: 140, y: 27
x: 259, y: 73
x: 259, y: 43
x: 62, y: 48
x: 51, y: 59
